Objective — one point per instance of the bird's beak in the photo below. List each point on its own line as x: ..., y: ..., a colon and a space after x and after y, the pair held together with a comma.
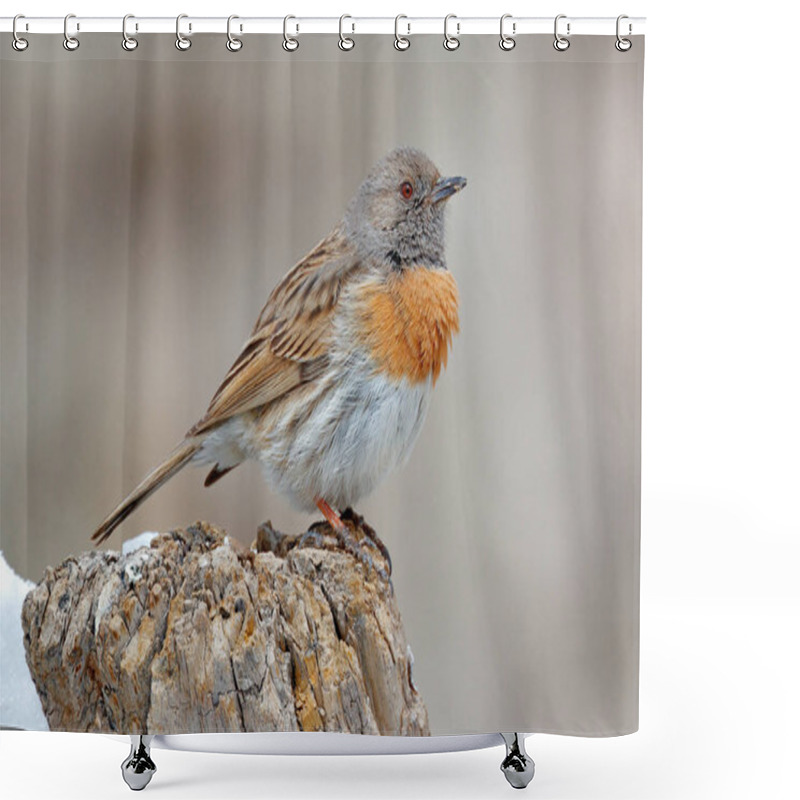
x: 445, y: 187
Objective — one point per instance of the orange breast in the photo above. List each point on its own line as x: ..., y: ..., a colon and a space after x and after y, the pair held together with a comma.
x: 407, y: 322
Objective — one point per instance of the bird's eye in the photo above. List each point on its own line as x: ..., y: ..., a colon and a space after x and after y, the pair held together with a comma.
x: 407, y: 190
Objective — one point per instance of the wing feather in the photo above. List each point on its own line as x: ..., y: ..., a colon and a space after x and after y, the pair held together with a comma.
x: 289, y: 342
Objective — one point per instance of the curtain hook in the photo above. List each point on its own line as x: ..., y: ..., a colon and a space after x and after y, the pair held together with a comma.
x: 451, y: 42
x: 623, y: 45
x: 18, y: 43
x: 181, y: 41
x: 233, y: 44
x: 345, y: 42
x: 128, y: 42
x: 561, y: 43
x: 401, y: 42
x: 290, y: 43
x: 71, y: 43
x: 507, y: 42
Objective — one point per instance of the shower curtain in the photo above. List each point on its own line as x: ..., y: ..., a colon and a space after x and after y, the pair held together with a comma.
x: 152, y: 200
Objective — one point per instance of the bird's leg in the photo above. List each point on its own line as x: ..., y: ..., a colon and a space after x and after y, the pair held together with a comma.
x: 349, y: 543
x: 340, y: 529
x: 333, y: 518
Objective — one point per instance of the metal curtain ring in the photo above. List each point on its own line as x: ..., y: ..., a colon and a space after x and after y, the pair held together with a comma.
x: 507, y: 42
x: 70, y: 42
x: 233, y: 44
x: 560, y: 43
x: 401, y: 42
x: 181, y: 41
x: 345, y: 42
x: 17, y: 42
x: 128, y: 42
x: 451, y: 42
x: 290, y: 43
x: 623, y: 45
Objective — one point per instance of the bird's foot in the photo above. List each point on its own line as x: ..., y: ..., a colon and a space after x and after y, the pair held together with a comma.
x: 335, y: 534
x: 344, y: 528
x: 313, y: 538
x: 358, y: 522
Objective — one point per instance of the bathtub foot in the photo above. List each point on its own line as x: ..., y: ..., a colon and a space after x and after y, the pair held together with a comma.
x: 138, y: 768
x: 517, y: 766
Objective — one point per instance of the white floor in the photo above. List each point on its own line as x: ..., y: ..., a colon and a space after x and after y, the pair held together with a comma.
x: 720, y: 697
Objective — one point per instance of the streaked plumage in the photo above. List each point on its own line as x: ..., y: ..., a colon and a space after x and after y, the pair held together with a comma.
x: 332, y: 387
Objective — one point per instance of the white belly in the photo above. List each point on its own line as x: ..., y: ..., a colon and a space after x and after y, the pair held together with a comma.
x: 339, y: 447
x: 361, y: 429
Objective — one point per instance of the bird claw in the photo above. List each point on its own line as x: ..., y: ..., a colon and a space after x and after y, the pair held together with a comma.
x: 370, y: 536
x: 367, y: 560
x: 315, y: 537
x: 325, y: 536
x: 357, y: 549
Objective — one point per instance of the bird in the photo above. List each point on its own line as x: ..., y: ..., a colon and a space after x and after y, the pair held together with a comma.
x: 333, y: 384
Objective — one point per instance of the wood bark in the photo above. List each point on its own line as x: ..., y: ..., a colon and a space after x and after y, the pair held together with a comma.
x: 196, y: 634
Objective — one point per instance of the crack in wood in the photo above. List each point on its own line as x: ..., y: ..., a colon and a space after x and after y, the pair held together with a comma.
x: 311, y: 641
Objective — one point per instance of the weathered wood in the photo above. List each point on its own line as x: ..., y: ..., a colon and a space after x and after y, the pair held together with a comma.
x: 196, y: 634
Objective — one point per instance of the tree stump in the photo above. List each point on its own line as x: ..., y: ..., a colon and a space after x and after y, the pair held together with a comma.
x: 195, y: 634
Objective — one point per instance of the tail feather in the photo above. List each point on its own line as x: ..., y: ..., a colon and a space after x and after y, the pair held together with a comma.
x: 217, y: 473
x: 161, y: 474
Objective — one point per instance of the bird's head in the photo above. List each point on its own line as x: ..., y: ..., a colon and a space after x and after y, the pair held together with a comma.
x: 397, y: 214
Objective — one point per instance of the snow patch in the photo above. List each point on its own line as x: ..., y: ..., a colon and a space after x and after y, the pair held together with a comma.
x: 132, y: 573
x: 19, y: 703
x: 142, y: 540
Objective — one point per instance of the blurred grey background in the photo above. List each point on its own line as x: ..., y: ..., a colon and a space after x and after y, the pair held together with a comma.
x: 150, y: 201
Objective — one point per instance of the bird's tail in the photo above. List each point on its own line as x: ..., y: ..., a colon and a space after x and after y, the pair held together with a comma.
x: 161, y: 474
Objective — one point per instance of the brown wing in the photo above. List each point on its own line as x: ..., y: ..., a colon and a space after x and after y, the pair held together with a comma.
x: 289, y: 343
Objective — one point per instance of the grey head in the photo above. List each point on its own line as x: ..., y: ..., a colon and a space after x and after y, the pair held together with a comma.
x: 397, y: 215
